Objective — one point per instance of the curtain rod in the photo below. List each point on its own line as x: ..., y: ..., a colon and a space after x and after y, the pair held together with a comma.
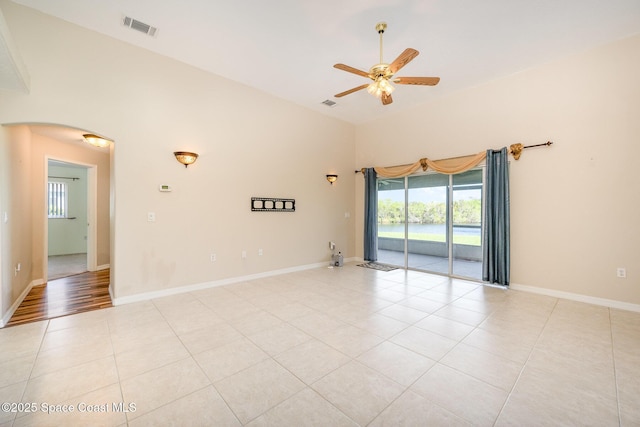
x: 64, y: 177
x: 515, y: 149
x: 538, y: 145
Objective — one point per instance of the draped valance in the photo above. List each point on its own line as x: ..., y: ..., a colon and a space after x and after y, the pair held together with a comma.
x: 446, y: 166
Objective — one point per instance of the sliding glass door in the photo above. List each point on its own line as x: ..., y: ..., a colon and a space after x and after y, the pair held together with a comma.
x: 466, y: 220
x: 427, y: 201
x: 432, y: 222
x: 392, y: 223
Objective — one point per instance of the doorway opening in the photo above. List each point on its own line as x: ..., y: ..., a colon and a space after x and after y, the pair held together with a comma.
x: 68, y: 223
x: 68, y: 185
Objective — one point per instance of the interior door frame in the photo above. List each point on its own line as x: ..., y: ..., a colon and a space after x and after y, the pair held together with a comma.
x: 92, y: 215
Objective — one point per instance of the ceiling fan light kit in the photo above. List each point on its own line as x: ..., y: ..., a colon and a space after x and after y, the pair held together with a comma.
x: 382, y: 73
x: 380, y: 86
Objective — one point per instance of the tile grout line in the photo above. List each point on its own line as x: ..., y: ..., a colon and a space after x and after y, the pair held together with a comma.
x: 615, y: 371
x: 524, y: 365
x: 115, y: 363
x: 408, y: 388
x: 33, y: 366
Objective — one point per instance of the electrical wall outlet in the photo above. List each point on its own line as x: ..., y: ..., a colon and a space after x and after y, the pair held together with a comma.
x: 332, y: 245
x: 213, y: 257
x: 621, y: 272
x: 260, y: 252
x: 243, y: 254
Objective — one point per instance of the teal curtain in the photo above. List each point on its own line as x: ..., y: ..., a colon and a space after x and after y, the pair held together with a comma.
x: 370, y: 215
x: 496, y: 249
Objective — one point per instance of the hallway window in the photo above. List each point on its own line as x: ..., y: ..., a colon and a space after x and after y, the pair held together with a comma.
x: 57, y: 199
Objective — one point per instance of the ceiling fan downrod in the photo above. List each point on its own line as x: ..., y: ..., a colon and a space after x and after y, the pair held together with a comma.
x: 380, y: 27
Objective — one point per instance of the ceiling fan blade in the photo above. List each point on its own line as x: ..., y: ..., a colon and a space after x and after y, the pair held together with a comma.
x: 428, y: 81
x: 347, y: 92
x: 386, y: 98
x: 402, y: 60
x: 351, y: 70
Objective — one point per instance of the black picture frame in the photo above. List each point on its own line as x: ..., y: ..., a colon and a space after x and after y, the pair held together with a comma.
x: 272, y: 204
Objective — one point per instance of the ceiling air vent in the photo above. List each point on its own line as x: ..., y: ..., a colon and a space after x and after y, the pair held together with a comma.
x: 328, y: 103
x: 134, y: 24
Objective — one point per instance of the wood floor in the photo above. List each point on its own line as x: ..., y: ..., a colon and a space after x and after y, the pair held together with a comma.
x: 61, y: 297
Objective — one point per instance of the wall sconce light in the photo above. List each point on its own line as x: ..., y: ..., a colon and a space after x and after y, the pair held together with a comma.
x: 95, y: 140
x: 332, y: 178
x: 185, y: 157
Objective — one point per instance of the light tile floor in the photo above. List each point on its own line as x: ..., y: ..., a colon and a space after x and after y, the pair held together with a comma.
x: 329, y: 347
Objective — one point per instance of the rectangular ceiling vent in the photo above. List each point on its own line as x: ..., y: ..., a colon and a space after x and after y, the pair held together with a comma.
x: 328, y: 103
x: 134, y: 24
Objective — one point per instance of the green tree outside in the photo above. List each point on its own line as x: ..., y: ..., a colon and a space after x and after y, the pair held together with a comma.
x: 465, y: 212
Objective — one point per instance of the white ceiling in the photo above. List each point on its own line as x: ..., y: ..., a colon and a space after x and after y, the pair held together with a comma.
x: 288, y: 47
x: 64, y: 134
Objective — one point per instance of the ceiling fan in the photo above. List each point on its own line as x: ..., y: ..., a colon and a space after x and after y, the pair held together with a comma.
x: 382, y: 73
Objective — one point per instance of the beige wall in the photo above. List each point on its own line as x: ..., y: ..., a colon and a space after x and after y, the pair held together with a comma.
x: 250, y: 144
x: 574, y: 206
x: 15, y: 206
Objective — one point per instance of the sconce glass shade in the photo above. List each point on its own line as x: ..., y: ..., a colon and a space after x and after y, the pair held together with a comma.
x: 332, y: 178
x: 185, y: 157
x: 95, y: 140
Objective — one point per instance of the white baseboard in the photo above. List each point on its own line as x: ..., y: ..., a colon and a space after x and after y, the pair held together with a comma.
x: 7, y: 316
x: 577, y: 297
x: 103, y: 267
x: 199, y: 286
x: 113, y: 298
x: 206, y: 285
